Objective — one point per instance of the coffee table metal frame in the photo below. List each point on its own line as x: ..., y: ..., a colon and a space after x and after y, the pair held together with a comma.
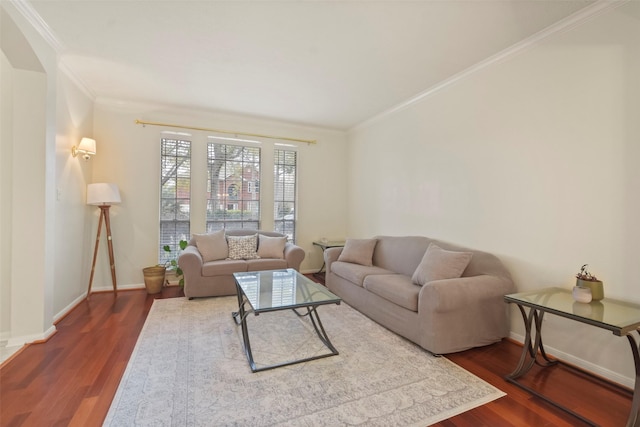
x: 558, y: 301
x: 308, y: 306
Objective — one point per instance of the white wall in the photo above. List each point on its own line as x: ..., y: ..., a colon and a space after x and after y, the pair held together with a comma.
x: 129, y: 156
x: 73, y: 218
x: 43, y: 115
x: 534, y: 159
x: 6, y: 153
x: 31, y: 313
x: 26, y: 281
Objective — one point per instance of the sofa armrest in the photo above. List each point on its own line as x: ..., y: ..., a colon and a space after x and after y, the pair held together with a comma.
x: 447, y: 295
x: 330, y: 256
x: 294, y: 255
x: 190, y: 261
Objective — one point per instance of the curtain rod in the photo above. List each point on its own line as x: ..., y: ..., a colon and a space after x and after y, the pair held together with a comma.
x: 284, y: 138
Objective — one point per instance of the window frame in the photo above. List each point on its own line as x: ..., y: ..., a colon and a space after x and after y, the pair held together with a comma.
x: 248, y: 204
x: 181, y: 225
x: 289, y: 196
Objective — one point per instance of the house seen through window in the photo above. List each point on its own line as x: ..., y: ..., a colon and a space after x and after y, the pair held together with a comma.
x: 233, y: 187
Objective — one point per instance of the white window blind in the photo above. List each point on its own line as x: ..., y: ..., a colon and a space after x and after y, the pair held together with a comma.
x: 284, y: 192
x: 175, y: 195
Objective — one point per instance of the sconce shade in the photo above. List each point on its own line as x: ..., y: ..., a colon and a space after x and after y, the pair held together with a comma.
x: 87, y: 148
x: 102, y: 194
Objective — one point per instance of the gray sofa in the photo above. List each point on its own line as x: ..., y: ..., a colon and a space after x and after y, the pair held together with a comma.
x: 442, y: 316
x: 215, y: 278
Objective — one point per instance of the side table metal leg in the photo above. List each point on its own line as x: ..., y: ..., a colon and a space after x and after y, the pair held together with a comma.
x: 531, y: 347
x: 529, y: 357
x: 539, y: 346
x: 634, y: 416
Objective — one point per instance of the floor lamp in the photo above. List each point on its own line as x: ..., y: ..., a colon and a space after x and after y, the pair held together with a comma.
x: 103, y: 195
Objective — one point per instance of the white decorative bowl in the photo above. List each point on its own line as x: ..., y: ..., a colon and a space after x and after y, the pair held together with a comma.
x: 581, y: 294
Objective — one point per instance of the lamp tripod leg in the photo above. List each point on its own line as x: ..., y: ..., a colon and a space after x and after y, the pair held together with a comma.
x: 112, y: 262
x: 95, y: 255
x: 104, y: 215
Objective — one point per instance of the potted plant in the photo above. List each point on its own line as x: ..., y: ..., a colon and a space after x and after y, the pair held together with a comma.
x: 155, y: 277
x: 172, y: 264
x: 584, y: 279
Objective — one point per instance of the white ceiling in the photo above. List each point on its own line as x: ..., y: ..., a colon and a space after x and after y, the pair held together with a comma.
x: 330, y: 64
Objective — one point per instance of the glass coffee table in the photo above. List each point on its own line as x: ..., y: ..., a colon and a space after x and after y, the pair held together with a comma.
x: 274, y: 290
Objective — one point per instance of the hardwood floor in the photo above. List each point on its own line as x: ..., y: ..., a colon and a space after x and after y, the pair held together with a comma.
x: 72, y: 378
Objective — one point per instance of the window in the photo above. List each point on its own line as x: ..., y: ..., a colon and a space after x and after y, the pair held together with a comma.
x: 284, y: 192
x: 233, y: 187
x: 175, y: 195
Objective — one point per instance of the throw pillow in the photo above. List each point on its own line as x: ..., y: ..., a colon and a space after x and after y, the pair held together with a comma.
x: 438, y: 263
x: 212, y: 246
x: 358, y: 251
x: 243, y: 247
x: 271, y: 247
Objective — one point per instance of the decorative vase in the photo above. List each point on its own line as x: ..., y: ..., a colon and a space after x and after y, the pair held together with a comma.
x: 597, y: 289
x: 582, y: 294
x: 154, y: 278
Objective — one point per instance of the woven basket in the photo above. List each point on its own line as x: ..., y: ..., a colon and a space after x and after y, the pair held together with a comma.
x: 154, y: 278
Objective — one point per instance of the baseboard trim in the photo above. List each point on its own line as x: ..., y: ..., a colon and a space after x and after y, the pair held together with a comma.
x: 592, y: 368
x: 62, y: 314
x: 120, y: 288
x: 32, y: 339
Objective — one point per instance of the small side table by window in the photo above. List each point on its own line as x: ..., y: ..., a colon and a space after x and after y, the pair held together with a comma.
x: 619, y: 317
x: 326, y: 244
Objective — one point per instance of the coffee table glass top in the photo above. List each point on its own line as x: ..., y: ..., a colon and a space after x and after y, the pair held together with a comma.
x: 278, y: 289
x: 617, y: 316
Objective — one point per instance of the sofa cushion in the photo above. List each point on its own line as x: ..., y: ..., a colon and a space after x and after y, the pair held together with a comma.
x: 266, y: 264
x: 271, y: 247
x: 438, y: 264
x: 355, y: 273
x: 400, y: 254
x: 223, y: 267
x: 212, y: 246
x: 243, y: 247
x: 358, y: 251
x: 397, y: 288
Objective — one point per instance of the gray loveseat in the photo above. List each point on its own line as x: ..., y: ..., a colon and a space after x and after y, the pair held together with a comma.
x: 215, y: 278
x: 442, y: 315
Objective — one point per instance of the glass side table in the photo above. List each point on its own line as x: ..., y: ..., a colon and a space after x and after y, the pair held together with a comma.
x: 619, y: 317
x: 326, y: 244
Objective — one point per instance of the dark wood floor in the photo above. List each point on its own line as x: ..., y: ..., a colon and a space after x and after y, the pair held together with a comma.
x: 72, y: 378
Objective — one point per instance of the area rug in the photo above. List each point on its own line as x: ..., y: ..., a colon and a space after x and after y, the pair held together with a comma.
x: 189, y: 369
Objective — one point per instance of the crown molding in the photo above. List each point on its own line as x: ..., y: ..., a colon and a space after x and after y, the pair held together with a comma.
x: 35, y: 20
x: 77, y: 81
x: 33, y: 17
x: 566, y: 24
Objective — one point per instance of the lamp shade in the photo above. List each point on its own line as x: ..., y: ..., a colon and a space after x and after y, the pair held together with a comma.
x: 102, y: 194
x: 87, y: 146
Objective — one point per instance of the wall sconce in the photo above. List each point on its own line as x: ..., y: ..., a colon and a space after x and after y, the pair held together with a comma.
x: 87, y: 148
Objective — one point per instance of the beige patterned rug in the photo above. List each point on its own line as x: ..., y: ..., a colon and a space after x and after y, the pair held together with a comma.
x: 189, y: 369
